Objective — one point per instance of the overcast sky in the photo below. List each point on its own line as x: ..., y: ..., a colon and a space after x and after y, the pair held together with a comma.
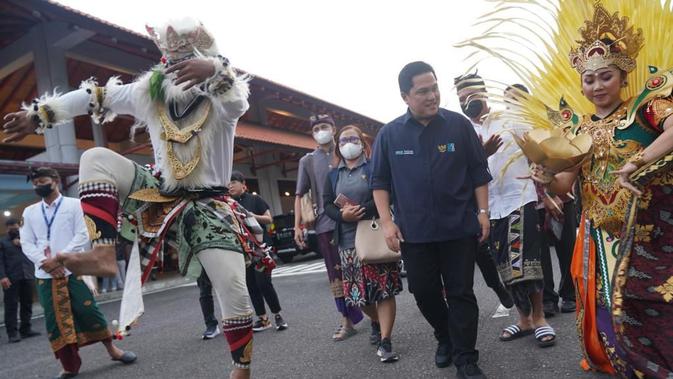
x: 347, y: 52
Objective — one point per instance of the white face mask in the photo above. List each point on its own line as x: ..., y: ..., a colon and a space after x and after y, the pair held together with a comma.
x: 351, y: 150
x: 323, y: 137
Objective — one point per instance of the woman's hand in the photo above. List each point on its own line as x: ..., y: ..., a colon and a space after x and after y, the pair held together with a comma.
x: 352, y: 213
x: 539, y: 174
x: 553, y: 206
x: 623, y: 178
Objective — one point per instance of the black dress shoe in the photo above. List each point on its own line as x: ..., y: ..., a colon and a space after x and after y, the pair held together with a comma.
x: 66, y: 375
x: 504, y: 297
x: 14, y: 339
x: 30, y: 333
x: 550, y: 309
x: 443, y: 355
x: 568, y: 306
x: 469, y: 371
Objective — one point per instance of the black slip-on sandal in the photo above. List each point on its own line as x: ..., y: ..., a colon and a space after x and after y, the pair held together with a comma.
x: 515, y: 332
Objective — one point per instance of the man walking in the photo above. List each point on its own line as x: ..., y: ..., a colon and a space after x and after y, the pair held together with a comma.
x: 17, y: 279
x: 259, y: 283
x: 433, y: 164
x: 57, y: 225
x: 471, y: 93
x: 311, y: 177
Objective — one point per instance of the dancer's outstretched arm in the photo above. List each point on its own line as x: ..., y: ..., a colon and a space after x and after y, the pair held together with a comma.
x: 213, y: 75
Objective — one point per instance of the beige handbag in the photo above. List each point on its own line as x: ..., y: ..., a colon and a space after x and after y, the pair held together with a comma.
x: 308, y: 202
x: 370, y: 244
x: 308, y: 209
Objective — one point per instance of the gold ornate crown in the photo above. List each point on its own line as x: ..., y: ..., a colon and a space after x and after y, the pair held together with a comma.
x: 607, y: 40
x: 178, y: 45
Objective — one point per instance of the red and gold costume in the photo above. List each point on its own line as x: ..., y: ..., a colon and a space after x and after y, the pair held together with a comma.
x: 623, y: 259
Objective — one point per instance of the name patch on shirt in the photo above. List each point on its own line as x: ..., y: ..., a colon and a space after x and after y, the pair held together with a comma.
x: 447, y: 147
x: 404, y: 152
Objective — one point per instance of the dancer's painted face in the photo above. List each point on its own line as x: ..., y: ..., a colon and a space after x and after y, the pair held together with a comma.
x: 602, y: 87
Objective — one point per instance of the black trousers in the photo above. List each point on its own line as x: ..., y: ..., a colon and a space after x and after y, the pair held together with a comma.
x: 260, y: 288
x: 206, y: 299
x: 487, y: 267
x: 564, y: 251
x: 20, y: 293
x: 434, y: 266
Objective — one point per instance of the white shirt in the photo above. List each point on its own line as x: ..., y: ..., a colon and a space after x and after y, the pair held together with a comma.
x: 68, y: 231
x: 506, y: 193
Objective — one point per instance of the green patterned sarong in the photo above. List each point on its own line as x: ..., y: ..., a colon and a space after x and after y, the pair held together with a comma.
x: 192, y: 224
x: 71, y: 313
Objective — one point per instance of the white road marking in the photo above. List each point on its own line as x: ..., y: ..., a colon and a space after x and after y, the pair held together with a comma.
x: 300, y: 269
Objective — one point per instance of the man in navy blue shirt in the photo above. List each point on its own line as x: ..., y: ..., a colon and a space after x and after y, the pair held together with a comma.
x: 432, y: 166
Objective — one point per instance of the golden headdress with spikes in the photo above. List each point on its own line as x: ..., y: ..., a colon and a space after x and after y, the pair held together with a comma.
x: 607, y: 40
x: 533, y: 38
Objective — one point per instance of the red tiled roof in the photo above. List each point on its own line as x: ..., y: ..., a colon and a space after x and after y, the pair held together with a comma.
x: 273, y: 135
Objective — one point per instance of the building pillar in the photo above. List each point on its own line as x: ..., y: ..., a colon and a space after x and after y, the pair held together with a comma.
x: 99, y: 135
x: 52, y: 74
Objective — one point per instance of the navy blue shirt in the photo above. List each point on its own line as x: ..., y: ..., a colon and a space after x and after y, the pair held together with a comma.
x: 431, y: 172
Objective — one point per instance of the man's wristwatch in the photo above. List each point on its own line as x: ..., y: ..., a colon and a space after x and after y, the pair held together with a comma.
x: 484, y: 211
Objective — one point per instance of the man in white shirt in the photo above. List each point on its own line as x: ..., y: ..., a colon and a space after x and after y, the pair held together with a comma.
x: 56, y: 225
x: 475, y: 112
x: 515, y: 235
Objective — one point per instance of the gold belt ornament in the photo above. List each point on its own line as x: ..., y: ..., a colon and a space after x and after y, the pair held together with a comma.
x: 172, y: 134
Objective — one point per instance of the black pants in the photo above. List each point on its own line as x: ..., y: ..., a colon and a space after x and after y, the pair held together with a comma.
x: 564, y: 251
x: 260, y: 288
x: 21, y: 292
x: 433, y: 266
x: 206, y: 299
x: 487, y: 267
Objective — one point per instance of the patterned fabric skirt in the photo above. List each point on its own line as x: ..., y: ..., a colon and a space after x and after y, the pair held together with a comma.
x: 592, y: 267
x: 71, y: 313
x: 642, y: 308
x: 515, y: 245
x: 365, y: 284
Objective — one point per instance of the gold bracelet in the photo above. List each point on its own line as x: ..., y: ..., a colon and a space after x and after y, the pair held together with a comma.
x: 637, y: 159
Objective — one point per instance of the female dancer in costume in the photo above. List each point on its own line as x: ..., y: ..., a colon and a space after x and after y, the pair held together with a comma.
x: 623, y: 262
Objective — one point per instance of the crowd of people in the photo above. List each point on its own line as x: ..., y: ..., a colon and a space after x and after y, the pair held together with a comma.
x: 440, y: 190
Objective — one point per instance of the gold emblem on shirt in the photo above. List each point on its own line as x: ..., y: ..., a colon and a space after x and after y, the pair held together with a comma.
x: 441, y: 148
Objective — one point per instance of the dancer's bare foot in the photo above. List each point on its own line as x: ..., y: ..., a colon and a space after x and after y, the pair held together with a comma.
x: 240, y: 373
x: 101, y: 261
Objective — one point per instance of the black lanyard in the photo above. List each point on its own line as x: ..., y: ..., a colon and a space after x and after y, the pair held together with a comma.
x: 50, y: 221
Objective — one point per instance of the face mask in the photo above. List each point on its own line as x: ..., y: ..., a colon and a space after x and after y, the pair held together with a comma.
x: 473, y: 108
x: 13, y: 234
x: 350, y: 150
x: 43, y: 190
x: 323, y: 137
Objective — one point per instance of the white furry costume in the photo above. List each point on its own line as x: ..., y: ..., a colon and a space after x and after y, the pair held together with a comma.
x: 194, y: 155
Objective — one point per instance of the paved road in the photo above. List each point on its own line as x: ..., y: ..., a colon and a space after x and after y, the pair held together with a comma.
x: 169, y: 346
